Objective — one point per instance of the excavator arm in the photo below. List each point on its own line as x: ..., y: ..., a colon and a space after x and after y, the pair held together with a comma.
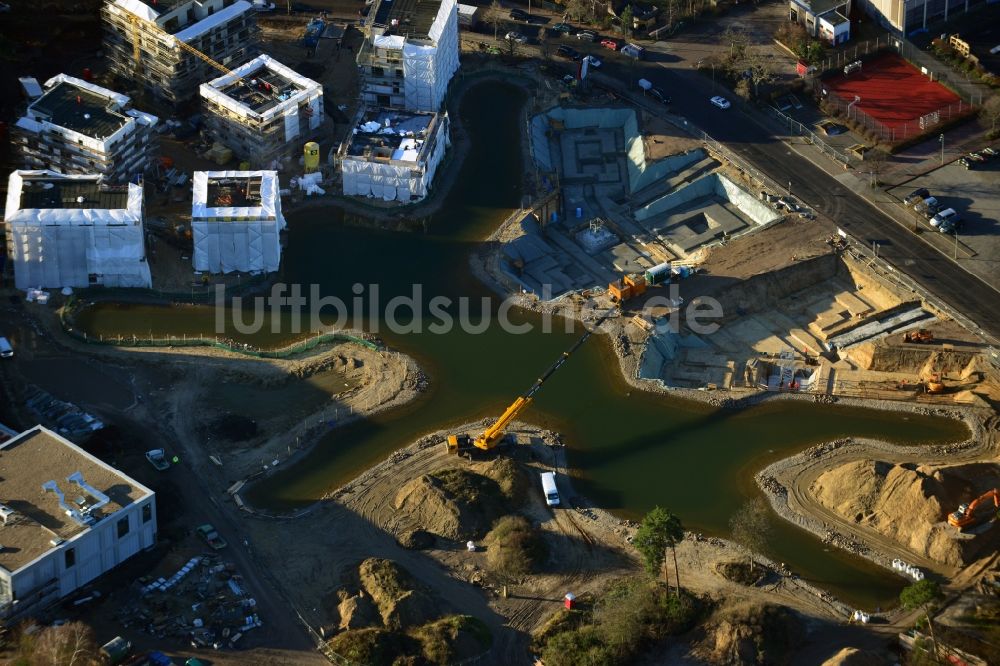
x: 966, y: 514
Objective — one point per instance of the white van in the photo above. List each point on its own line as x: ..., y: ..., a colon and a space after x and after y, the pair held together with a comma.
x: 549, y: 489
x: 6, y: 351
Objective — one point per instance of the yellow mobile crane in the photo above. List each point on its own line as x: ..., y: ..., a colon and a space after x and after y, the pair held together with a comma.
x: 495, y: 433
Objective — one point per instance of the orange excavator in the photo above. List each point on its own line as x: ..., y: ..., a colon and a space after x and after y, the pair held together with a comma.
x: 966, y: 513
x: 493, y: 435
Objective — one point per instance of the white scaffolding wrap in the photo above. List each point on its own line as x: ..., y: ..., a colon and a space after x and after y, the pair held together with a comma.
x: 63, y: 247
x: 428, y: 68
x: 245, y: 239
x: 309, y: 90
x: 399, y: 179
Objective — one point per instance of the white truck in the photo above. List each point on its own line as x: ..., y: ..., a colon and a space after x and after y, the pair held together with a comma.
x: 549, y: 489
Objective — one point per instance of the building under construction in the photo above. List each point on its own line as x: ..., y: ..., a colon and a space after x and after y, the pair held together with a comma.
x: 393, y: 155
x: 409, y: 54
x: 142, y: 37
x: 263, y: 111
x: 79, y: 128
x: 236, y: 221
x: 75, y: 231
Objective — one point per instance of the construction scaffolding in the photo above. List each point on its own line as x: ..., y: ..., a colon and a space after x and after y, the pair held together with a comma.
x: 81, y: 128
x: 393, y: 155
x: 410, y: 54
x: 236, y: 221
x: 141, y: 41
x: 264, y: 111
x: 74, y: 231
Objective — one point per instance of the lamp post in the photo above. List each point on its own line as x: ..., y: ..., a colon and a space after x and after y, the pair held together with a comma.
x: 941, y: 139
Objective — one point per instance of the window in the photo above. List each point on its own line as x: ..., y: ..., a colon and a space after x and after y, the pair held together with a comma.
x: 147, y: 513
x: 70, y: 555
x: 378, y: 71
x: 123, y: 527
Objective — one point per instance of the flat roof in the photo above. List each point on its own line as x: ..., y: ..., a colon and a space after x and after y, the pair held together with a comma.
x: 390, y: 134
x: 33, y: 458
x: 53, y: 192
x: 80, y: 110
x: 413, y: 17
x: 265, y: 90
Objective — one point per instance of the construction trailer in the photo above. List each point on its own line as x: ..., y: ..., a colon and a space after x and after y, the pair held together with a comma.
x: 409, y: 54
x: 393, y: 155
x: 263, y: 111
x: 140, y: 40
x: 67, y: 517
x: 77, y: 127
x: 75, y: 231
x: 236, y: 221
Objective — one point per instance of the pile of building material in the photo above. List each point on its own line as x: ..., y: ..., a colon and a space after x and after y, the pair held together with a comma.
x: 203, y: 600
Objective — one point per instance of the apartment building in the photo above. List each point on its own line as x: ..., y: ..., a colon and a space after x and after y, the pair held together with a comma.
x: 66, y: 518
x: 393, y: 154
x: 264, y: 111
x: 907, y: 16
x: 409, y: 54
x: 75, y: 231
x: 224, y: 30
x: 76, y: 127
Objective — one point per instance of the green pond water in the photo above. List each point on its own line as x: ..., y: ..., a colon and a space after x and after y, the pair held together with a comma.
x: 631, y: 450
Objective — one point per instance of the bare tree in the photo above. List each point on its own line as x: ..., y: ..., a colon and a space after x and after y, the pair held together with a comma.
x: 743, y: 88
x: 751, y: 525
x: 544, y: 46
x: 990, y: 113
x: 496, y: 15
x: 577, y: 9
x: 759, y: 66
x: 739, y: 43
x: 71, y: 644
x: 876, y: 160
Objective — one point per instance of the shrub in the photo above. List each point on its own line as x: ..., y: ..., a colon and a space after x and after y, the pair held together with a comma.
x: 513, y: 548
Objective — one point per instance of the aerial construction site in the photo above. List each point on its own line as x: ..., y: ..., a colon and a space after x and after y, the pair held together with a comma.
x: 355, y: 334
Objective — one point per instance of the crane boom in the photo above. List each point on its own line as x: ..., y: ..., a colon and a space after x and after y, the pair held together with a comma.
x: 137, y: 54
x: 493, y: 434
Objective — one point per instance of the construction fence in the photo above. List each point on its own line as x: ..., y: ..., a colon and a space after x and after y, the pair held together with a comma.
x: 218, y: 343
x: 971, y: 94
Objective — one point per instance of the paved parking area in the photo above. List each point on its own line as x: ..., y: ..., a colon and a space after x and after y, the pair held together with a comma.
x: 975, y: 194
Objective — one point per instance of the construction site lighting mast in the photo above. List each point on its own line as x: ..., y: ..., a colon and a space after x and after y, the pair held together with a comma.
x: 493, y: 435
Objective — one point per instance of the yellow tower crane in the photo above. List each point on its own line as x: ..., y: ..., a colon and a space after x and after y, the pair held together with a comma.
x: 137, y: 54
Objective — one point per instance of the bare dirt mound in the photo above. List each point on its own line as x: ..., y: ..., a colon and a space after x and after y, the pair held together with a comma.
x: 750, y: 634
x: 400, y: 601
x: 453, y: 503
x: 854, y: 657
x: 903, y: 502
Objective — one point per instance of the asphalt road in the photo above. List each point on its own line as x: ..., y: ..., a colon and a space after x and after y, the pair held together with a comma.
x: 746, y: 135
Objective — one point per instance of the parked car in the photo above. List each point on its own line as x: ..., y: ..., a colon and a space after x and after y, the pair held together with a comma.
x: 587, y: 35
x: 516, y: 37
x: 610, y: 44
x: 263, y: 6
x: 990, y: 153
x: 6, y: 350
x: 211, y: 537
x: 568, y: 52
x: 833, y: 129
x: 966, y: 163
x: 158, y: 459
x: 593, y: 61
x: 519, y: 15
x: 947, y: 217
x: 916, y: 195
x: 659, y: 96
x: 720, y: 102
x: 564, y: 27
x: 4, y: 8
x: 634, y: 51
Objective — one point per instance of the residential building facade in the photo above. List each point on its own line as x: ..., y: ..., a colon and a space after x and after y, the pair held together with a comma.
x: 264, y: 111
x: 66, y: 518
x: 827, y: 20
x: 223, y: 30
x: 76, y: 127
x: 409, y: 54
